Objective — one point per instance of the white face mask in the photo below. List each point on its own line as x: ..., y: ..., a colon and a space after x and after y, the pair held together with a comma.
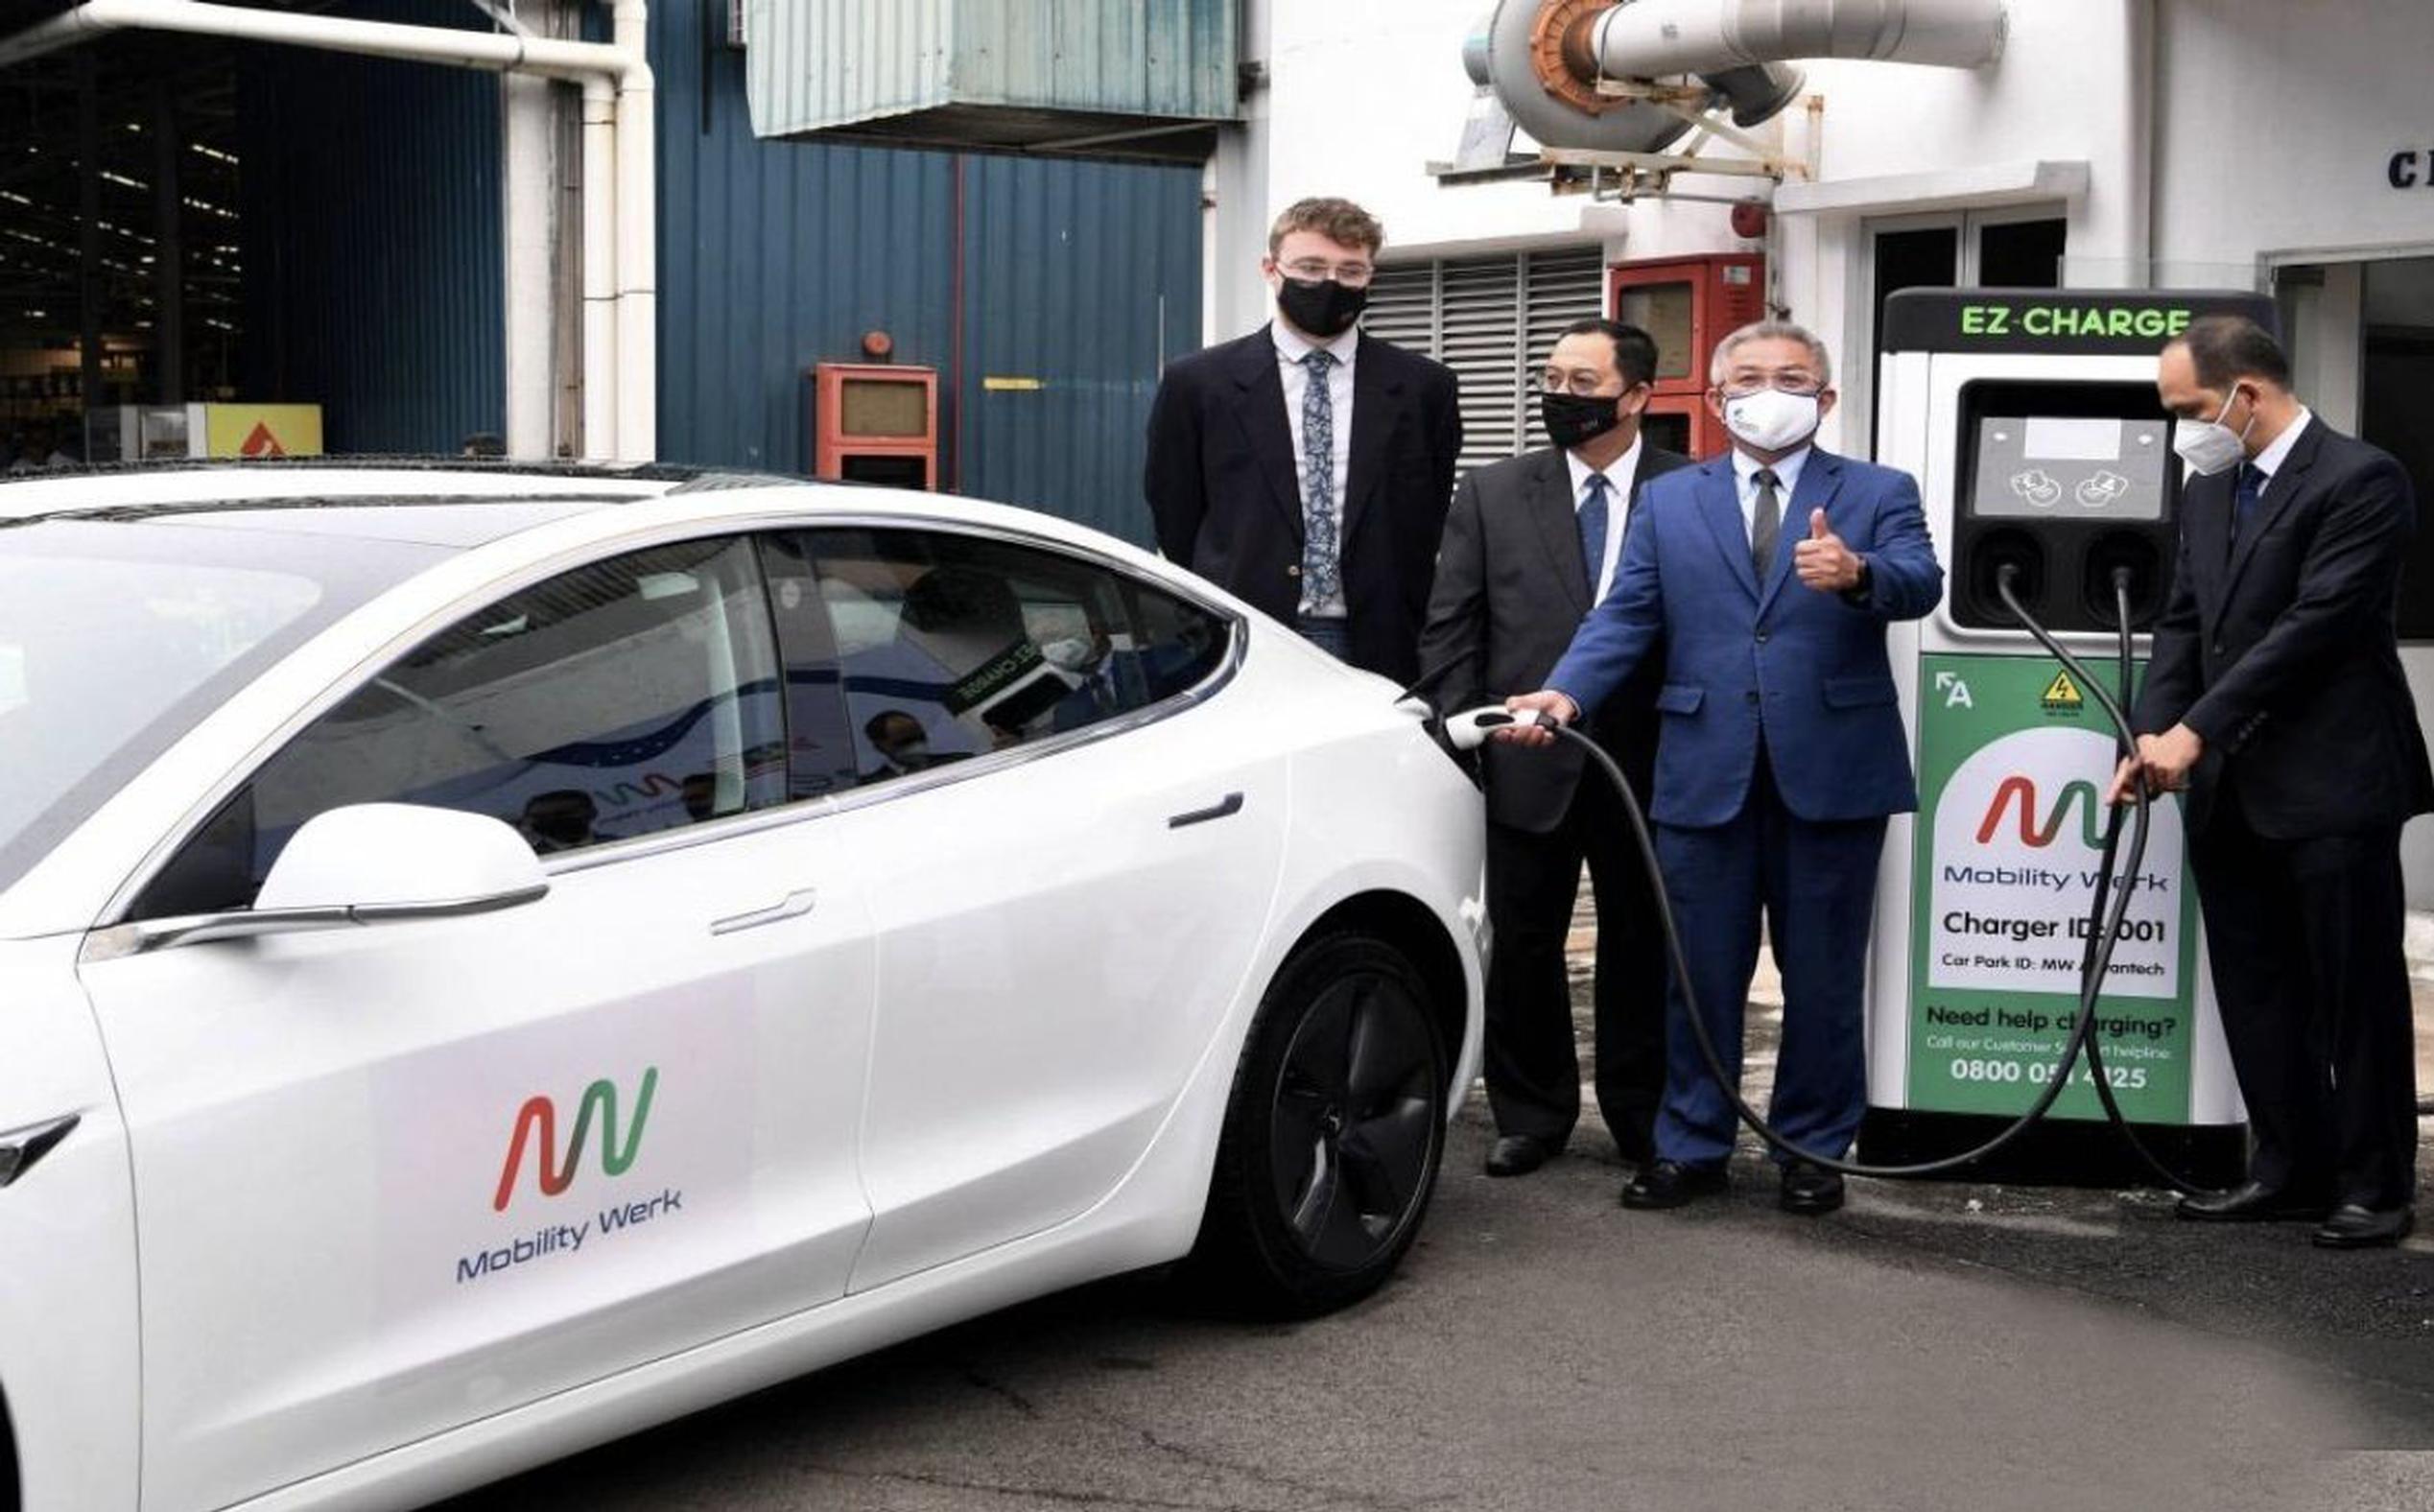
x: 2209, y: 446
x: 1771, y: 420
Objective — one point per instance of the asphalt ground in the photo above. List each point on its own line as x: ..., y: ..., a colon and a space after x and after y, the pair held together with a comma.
x: 1931, y: 1347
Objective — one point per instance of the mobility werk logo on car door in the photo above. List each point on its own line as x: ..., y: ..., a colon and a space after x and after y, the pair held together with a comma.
x: 536, y: 1123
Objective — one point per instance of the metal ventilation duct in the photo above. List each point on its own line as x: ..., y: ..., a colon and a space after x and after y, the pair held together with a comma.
x: 1543, y: 58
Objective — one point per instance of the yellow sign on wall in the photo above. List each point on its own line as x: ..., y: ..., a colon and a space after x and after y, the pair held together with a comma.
x: 262, y: 429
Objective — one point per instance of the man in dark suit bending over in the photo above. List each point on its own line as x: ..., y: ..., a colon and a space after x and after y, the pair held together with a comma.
x: 2276, y: 699
x: 1305, y: 467
x: 1531, y: 544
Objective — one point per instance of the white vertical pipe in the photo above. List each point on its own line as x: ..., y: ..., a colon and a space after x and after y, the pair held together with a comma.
x: 600, y: 271
x: 529, y: 214
x: 637, y: 282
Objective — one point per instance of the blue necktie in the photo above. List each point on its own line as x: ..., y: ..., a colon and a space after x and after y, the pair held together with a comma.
x: 2247, y: 492
x: 1320, y: 549
x: 1593, y: 528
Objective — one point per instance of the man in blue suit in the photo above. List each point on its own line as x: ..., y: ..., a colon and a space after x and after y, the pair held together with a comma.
x: 1765, y: 579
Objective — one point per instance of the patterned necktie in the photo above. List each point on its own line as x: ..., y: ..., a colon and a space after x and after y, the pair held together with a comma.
x: 2247, y: 491
x: 1592, y: 528
x: 1320, y: 552
x: 1766, y: 522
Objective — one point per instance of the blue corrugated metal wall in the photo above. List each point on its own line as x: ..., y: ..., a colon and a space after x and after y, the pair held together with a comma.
x: 1085, y: 276
x: 372, y: 227
x: 775, y: 255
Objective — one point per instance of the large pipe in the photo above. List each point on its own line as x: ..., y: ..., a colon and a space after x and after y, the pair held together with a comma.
x: 600, y: 271
x: 1658, y: 38
x: 1544, y: 58
x: 495, y: 50
x: 637, y: 251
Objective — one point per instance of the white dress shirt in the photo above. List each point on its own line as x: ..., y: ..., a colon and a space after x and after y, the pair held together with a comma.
x: 1291, y: 346
x: 1620, y: 474
x: 1745, y: 471
x: 2269, y: 460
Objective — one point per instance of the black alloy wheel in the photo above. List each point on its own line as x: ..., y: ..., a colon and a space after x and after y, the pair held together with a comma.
x: 1332, y: 1135
x: 1353, y: 1122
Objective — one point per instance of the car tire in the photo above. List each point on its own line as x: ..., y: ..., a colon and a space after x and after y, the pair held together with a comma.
x: 1333, y: 1133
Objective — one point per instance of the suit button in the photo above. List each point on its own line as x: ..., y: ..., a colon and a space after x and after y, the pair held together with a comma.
x: 1295, y: 572
x: 1751, y: 696
x: 1762, y: 637
x: 2218, y: 648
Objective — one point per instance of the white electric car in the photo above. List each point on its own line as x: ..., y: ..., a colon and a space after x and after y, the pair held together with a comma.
x: 491, y: 960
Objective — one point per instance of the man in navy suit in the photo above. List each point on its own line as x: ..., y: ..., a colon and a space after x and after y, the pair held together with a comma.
x: 2276, y: 700
x: 1764, y: 579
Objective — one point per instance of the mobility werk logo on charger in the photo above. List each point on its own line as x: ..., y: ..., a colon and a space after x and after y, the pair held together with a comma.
x: 536, y: 1123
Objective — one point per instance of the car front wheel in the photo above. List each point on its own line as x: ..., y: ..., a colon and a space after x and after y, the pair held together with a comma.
x: 1333, y: 1134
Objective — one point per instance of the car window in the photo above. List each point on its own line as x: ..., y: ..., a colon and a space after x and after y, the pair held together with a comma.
x: 621, y: 698
x: 117, y: 636
x: 1179, y: 643
x: 953, y: 645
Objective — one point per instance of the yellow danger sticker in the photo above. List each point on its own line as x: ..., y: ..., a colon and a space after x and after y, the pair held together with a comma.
x: 2062, y: 692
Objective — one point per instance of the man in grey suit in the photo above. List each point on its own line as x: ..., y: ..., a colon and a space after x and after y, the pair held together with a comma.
x: 1529, y: 546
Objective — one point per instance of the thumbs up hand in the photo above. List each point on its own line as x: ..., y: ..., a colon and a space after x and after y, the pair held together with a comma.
x: 1823, y: 562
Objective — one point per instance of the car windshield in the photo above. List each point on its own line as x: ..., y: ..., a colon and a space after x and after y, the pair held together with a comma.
x: 117, y: 637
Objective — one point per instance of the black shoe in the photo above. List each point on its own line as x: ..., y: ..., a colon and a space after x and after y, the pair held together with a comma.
x: 1809, y: 1190
x: 1671, y: 1184
x: 2249, y: 1202
x: 1518, y: 1155
x: 2353, y: 1226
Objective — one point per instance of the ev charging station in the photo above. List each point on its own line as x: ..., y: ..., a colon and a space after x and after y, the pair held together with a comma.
x: 2030, y: 419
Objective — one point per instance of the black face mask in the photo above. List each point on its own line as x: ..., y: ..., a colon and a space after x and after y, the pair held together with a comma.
x: 1575, y: 420
x: 1320, y: 306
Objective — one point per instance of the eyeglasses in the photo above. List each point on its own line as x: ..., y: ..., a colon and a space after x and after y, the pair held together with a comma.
x: 1799, y: 384
x: 1311, y: 269
x: 1582, y: 382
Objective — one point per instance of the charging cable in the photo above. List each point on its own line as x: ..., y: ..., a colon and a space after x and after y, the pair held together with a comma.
x: 1467, y: 730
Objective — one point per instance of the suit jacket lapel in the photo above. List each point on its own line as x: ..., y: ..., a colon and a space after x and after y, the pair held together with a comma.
x: 1264, y: 427
x: 1820, y: 477
x: 2279, y: 490
x: 1558, y: 526
x: 1376, y: 391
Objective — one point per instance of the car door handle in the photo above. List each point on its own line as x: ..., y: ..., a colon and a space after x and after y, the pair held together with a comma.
x: 1224, y: 808
x: 796, y: 906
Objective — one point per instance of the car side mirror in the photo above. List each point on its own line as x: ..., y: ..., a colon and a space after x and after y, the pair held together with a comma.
x: 370, y: 864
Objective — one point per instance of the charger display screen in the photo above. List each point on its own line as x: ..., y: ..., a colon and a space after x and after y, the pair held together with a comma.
x: 2076, y: 467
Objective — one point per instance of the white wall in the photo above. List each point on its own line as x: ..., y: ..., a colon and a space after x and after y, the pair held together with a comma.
x: 2277, y: 120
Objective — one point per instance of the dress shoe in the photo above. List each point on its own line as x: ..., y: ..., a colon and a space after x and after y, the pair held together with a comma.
x: 1810, y: 1189
x: 2354, y: 1226
x: 1671, y: 1184
x: 2249, y: 1202
x: 1518, y: 1155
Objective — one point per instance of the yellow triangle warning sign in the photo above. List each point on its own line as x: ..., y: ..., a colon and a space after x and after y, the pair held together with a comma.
x: 2062, y: 692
